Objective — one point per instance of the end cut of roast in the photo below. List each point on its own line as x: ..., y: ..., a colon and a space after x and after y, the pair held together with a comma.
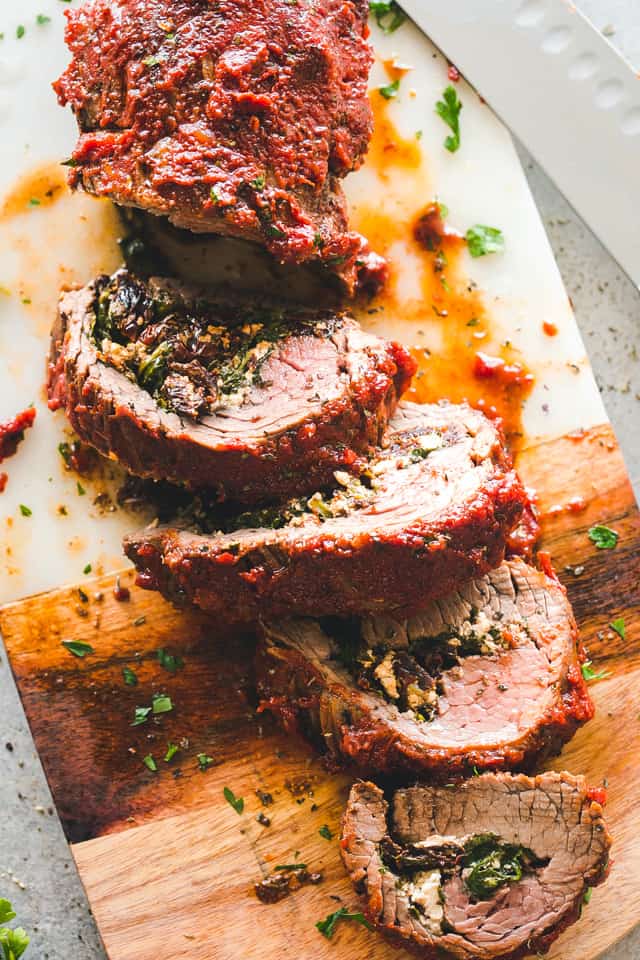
x: 253, y: 402
x: 495, y: 867
x: 236, y: 117
x: 486, y: 678
x: 431, y: 510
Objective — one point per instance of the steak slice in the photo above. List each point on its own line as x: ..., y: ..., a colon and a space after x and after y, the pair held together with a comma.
x: 431, y: 510
x: 487, y: 677
x: 496, y: 866
x: 237, y: 118
x: 252, y: 402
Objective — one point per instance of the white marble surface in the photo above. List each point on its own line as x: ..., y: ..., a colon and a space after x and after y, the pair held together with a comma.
x: 33, y: 853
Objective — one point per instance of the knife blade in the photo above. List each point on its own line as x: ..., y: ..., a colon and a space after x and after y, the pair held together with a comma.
x: 564, y: 91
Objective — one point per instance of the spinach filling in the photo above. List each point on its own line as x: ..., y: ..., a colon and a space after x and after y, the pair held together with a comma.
x: 410, y: 676
x: 192, y: 355
x: 485, y: 863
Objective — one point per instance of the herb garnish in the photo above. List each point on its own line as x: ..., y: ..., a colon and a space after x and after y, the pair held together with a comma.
x: 161, y: 703
x: 328, y: 925
x: 619, y: 627
x: 87, y: 568
x: 141, y: 716
x: 603, y: 537
x: 482, y: 240
x: 389, y: 90
x: 130, y: 678
x: 448, y: 109
x: 150, y: 763
x: 20, y: 31
x: 590, y: 675
x: 325, y: 832
x: 258, y: 183
x: 291, y: 866
x: 236, y: 802
x: 25, y: 511
x: 42, y: 18
x: 587, y: 895
x: 13, y: 941
x: 388, y: 14
x: 169, y: 662
x: 204, y: 762
x: 172, y: 749
x: 77, y: 648
x: 81, y: 489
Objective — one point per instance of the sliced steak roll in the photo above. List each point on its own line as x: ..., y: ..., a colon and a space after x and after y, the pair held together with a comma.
x: 431, y: 510
x: 495, y: 867
x: 235, y: 117
x: 487, y: 677
x: 252, y: 402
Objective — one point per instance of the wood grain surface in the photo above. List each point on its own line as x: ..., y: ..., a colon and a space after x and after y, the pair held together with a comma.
x: 169, y: 865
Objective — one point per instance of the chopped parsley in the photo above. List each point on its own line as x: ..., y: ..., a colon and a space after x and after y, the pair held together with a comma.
x: 42, y: 18
x: 20, y: 31
x: 328, y: 925
x: 87, y: 569
x: 603, y: 537
x: 258, y: 183
x: 25, y: 511
x: 587, y: 895
x: 169, y: 662
x: 161, y: 704
x: 389, y: 90
x: 129, y: 676
x: 388, y: 14
x: 7, y: 912
x: 204, y: 762
x: 619, y: 627
x: 141, y: 716
x: 236, y: 802
x: 77, y: 648
x: 325, y: 832
x: 150, y: 763
x: 81, y: 489
x: 448, y: 109
x: 482, y: 240
x: 291, y: 866
x: 172, y: 749
x: 589, y: 673
x: 34, y: 202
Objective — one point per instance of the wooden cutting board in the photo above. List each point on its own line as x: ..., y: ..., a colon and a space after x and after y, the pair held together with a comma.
x: 169, y: 865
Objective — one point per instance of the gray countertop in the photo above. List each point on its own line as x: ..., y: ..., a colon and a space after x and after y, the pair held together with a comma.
x: 36, y: 870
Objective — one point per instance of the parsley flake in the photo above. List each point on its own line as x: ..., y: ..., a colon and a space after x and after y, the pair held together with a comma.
x: 619, y: 627
x: 603, y: 537
x: 77, y: 648
x: 172, y: 749
x: 325, y: 832
x: 388, y: 14
x: 204, y: 762
x: 6, y: 911
x: 150, y: 763
x: 236, y: 802
x: 169, y: 662
x: 161, y: 704
x: 590, y: 675
x: 42, y: 18
x: 87, y: 569
x: 129, y: 676
x: 291, y: 866
x: 20, y: 31
x: 448, y: 109
x: 25, y: 511
x: 482, y: 240
x: 587, y: 895
x: 328, y: 925
x: 142, y: 715
x: 389, y: 90
x: 81, y: 489
x: 258, y: 183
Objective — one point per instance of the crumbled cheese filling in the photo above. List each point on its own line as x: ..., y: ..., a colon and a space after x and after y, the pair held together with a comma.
x: 423, y: 892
